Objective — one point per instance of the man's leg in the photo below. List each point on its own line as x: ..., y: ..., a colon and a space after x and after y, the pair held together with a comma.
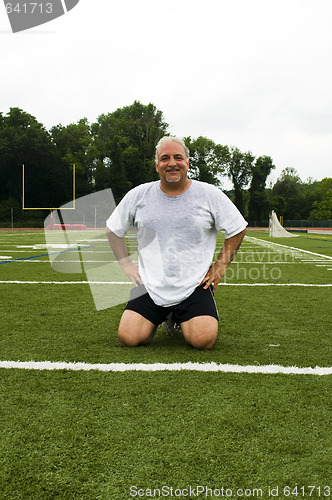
x: 134, y: 329
x: 200, y: 331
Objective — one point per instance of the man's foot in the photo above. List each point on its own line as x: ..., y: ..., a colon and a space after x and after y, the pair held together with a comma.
x: 170, y: 326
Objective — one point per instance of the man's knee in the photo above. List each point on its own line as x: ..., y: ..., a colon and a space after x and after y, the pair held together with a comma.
x: 127, y: 339
x: 203, y: 341
x: 134, y: 329
x: 201, y: 332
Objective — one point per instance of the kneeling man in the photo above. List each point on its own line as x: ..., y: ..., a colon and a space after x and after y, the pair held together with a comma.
x: 176, y: 221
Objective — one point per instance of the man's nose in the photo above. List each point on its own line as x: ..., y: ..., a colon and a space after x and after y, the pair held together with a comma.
x: 172, y: 161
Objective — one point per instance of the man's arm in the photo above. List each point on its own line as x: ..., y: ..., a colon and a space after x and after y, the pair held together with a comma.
x: 121, y: 253
x: 227, y: 254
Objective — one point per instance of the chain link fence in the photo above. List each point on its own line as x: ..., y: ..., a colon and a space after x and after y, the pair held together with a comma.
x: 294, y: 223
x: 12, y: 217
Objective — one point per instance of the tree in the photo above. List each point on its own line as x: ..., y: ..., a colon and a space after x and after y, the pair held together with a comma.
x: 207, y: 159
x: 259, y: 206
x: 288, y: 195
x: 239, y: 170
x: 322, y: 207
x: 23, y: 140
x: 125, y: 143
x: 322, y: 210
x: 74, y: 144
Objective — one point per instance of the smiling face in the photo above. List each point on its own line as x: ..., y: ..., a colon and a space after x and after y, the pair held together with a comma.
x: 172, y: 165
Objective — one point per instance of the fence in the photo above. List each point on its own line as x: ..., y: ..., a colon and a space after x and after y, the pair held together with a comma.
x: 294, y: 223
x: 20, y: 219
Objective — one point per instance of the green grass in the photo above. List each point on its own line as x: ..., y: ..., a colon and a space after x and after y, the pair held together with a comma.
x: 92, y: 435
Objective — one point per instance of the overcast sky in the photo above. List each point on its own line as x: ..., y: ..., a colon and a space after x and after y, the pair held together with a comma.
x: 255, y: 74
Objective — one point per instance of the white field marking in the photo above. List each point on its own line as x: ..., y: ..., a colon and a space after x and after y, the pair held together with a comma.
x: 12, y: 282
x: 92, y: 241
x: 24, y: 246
x: 265, y: 262
x: 276, y: 252
x: 44, y: 246
x: 35, y: 250
x: 300, y: 250
x: 67, y: 282
x: 5, y: 257
x: 55, y: 245
x: 20, y: 251
x: 95, y: 251
x: 276, y: 284
x: 306, y: 261
x: 28, y: 259
x: 68, y: 261
x: 153, y: 367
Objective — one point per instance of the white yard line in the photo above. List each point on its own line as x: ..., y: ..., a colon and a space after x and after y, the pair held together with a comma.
x: 271, y: 244
x: 67, y: 261
x: 13, y: 282
x: 262, y: 262
x: 276, y: 284
x: 153, y: 367
x: 17, y: 282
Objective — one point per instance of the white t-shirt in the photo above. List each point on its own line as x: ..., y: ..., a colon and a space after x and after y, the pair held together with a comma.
x: 176, y: 235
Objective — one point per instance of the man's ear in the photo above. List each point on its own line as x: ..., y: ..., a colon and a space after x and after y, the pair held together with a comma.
x: 156, y: 165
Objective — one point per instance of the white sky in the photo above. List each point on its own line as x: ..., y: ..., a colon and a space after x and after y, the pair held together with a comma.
x: 255, y: 74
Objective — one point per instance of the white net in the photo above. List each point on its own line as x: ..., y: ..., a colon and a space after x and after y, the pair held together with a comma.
x: 275, y: 228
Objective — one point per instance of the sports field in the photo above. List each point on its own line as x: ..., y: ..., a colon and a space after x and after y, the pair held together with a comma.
x: 83, y: 418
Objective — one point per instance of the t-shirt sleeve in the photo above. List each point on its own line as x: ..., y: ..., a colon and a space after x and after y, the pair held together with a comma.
x: 122, y: 218
x: 227, y: 217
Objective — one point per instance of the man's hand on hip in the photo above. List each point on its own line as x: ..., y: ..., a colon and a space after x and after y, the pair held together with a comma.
x: 131, y: 270
x: 214, y: 275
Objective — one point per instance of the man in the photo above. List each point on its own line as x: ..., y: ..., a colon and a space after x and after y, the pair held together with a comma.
x: 176, y: 220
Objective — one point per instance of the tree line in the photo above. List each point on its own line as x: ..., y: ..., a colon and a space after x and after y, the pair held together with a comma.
x: 117, y: 152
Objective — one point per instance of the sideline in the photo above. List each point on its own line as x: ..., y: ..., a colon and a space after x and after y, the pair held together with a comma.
x: 16, y: 282
x: 43, y: 255
x: 272, y: 244
x: 153, y: 367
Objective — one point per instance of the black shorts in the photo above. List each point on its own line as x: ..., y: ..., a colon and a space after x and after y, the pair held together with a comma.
x: 200, y: 303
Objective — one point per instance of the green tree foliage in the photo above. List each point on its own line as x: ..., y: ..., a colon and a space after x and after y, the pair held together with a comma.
x: 322, y: 207
x: 259, y: 205
x: 125, y: 143
x: 288, y: 195
x: 207, y: 159
x: 117, y: 152
x: 239, y: 170
x: 23, y: 140
x: 74, y: 144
